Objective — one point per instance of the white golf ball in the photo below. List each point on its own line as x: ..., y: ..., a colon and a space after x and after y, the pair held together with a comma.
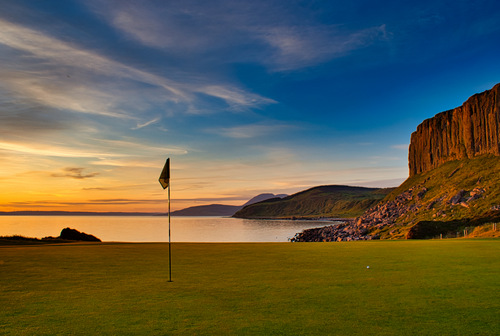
x: 367, y: 266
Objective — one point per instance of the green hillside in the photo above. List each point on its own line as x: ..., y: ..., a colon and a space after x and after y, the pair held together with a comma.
x: 458, y: 194
x: 323, y: 201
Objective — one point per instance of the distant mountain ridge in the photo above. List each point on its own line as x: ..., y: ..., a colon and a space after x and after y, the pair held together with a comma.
x: 221, y: 209
x: 201, y: 210
x: 324, y: 201
x: 75, y: 213
x: 208, y: 210
x: 263, y: 197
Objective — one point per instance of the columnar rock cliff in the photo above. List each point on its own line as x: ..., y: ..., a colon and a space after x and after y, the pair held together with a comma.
x: 454, y: 184
x: 467, y: 131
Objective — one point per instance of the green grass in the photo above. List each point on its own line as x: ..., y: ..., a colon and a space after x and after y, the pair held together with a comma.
x: 447, y: 180
x: 437, y: 287
x: 442, y: 184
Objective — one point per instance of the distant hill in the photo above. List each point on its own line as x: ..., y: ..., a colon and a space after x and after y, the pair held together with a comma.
x: 75, y: 213
x: 208, y: 210
x: 263, y: 197
x: 324, y: 201
x: 220, y: 209
x: 202, y: 210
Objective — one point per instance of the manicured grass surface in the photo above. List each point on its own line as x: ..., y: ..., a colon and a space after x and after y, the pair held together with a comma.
x: 439, y: 287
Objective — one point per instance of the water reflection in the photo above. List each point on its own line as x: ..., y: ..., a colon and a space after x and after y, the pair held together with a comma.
x: 155, y: 229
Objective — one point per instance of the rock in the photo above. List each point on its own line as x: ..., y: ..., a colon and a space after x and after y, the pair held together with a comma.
x: 457, y: 198
x: 467, y: 131
x: 475, y: 194
x: 72, y: 234
x: 431, y: 204
x: 421, y: 193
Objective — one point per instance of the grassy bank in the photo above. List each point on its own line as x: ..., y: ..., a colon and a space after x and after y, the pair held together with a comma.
x: 330, y: 201
x: 440, y: 287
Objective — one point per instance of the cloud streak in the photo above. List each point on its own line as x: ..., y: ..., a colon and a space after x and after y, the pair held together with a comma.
x: 298, y: 46
x: 75, y: 173
x: 57, y: 151
x: 194, y: 27
x: 249, y: 131
x: 52, y: 61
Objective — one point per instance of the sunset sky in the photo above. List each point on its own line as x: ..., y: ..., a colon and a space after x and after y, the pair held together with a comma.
x: 245, y: 97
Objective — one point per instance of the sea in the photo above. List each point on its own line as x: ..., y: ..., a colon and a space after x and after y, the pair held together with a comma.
x: 155, y: 228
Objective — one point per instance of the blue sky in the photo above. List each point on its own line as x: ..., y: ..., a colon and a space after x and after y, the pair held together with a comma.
x: 244, y: 96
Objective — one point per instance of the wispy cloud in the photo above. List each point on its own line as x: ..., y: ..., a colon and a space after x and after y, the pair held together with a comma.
x: 69, y: 76
x: 108, y: 201
x: 234, y: 97
x: 302, y: 46
x: 249, y: 131
x: 134, y: 146
x: 75, y: 173
x: 51, y: 150
x: 65, y: 54
x: 147, y: 123
x: 200, y: 28
x: 400, y: 146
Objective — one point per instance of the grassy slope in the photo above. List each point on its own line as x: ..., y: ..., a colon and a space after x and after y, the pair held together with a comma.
x: 447, y: 287
x: 324, y: 201
x: 445, y: 182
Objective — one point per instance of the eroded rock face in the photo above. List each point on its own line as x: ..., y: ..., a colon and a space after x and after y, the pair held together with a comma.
x: 469, y: 130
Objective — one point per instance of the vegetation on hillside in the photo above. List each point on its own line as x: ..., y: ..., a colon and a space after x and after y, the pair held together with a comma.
x: 334, y: 201
x: 456, y: 195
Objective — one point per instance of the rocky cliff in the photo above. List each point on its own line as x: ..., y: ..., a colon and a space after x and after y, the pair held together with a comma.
x: 454, y: 183
x: 465, y: 132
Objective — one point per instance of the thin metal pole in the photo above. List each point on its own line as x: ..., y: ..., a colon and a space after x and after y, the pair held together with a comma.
x: 169, y: 242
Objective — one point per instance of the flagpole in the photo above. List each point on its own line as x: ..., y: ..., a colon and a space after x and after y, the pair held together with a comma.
x: 165, y: 183
x: 169, y: 242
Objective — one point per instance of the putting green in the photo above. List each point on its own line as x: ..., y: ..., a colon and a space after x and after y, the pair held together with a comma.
x: 436, y: 287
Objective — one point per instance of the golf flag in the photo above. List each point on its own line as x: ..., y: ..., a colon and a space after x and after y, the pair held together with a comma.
x: 165, y: 175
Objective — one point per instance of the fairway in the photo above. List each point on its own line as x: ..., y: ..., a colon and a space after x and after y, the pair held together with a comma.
x: 435, y: 287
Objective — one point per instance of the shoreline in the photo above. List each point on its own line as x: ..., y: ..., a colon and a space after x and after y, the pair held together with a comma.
x: 297, y: 218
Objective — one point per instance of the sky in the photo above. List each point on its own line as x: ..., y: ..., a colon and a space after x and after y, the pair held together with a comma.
x: 245, y: 97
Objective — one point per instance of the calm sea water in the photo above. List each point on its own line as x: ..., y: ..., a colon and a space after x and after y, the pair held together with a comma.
x: 155, y: 228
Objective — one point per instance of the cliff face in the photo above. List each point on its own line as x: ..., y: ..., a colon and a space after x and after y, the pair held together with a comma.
x: 465, y: 132
x: 454, y: 184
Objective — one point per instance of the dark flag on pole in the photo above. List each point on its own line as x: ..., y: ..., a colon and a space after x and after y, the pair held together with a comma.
x: 165, y: 183
x: 165, y: 175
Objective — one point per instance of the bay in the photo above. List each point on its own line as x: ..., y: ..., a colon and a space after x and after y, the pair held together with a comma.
x: 155, y: 228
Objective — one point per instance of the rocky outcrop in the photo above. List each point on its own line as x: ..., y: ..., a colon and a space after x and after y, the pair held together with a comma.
x: 378, y: 217
x: 346, y: 231
x: 72, y: 234
x: 467, y: 131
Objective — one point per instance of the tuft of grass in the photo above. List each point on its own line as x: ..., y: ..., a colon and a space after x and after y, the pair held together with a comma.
x: 432, y: 287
